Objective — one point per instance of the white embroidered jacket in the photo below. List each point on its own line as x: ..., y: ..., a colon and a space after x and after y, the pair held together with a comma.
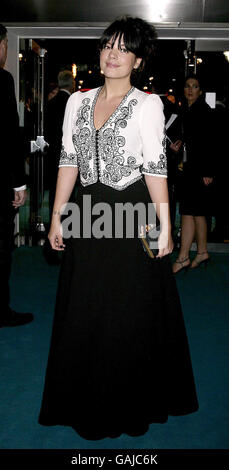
x: 130, y: 143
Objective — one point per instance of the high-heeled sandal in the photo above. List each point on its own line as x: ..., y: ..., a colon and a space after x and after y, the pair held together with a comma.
x: 181, y: 263
x: 204, y: 261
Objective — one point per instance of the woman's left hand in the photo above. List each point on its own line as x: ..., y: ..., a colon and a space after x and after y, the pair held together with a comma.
x: 176, y: 146
x: 207, y: 180
x: 165, y: 244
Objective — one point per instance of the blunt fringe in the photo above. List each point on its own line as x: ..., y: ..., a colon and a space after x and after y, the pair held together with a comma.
x: 139, y: 37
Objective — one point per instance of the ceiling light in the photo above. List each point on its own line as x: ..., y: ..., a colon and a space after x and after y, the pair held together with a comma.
x: 157, y: 9
x: 74, y: 70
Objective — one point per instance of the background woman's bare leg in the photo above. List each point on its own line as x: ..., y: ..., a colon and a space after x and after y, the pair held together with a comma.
x: 187, y: 235
x: 201, y: 240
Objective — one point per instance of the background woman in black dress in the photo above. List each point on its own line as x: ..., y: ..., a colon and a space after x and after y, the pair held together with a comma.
x: 119, y: 356
x: 196, y: 194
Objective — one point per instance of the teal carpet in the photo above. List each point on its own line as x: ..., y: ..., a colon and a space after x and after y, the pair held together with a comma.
x: 24, y: 350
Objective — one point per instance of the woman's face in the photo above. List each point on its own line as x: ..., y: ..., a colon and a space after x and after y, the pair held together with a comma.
x: 192, y: 90
x: 117, y: 62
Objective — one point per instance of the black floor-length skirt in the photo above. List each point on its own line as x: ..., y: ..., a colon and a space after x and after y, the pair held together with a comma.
x: 119, y: 356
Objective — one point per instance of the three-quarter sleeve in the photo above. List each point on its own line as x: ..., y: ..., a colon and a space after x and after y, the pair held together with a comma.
x: 68, y: 156
x: 152, y: 131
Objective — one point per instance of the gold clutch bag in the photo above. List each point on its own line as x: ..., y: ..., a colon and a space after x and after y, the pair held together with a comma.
x: 149, y: 238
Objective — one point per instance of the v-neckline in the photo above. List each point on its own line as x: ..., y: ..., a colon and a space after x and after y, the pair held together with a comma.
x: 112, y: 114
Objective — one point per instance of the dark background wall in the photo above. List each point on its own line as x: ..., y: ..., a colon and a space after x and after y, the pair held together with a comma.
x: 103, y: 10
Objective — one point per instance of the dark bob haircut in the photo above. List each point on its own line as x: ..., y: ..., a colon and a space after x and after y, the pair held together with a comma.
x: 139, y: 37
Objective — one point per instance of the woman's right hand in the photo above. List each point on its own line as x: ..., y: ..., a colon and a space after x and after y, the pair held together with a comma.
x: 55, y: 236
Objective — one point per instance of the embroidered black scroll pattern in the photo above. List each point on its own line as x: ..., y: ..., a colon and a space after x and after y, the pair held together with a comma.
x: 82, y: 140
x: 67, y: 158
x: 159, y: 168
x: 111, y: 143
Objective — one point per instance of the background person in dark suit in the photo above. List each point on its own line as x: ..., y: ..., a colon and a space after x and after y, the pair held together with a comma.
x: 173, y: 151
x: 197, y: 197
x: 12, y: 180
x: 53, y: 135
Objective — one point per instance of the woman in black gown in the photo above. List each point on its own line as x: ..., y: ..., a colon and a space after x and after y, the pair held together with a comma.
x: 196, y: 189
x: 119, y: 356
